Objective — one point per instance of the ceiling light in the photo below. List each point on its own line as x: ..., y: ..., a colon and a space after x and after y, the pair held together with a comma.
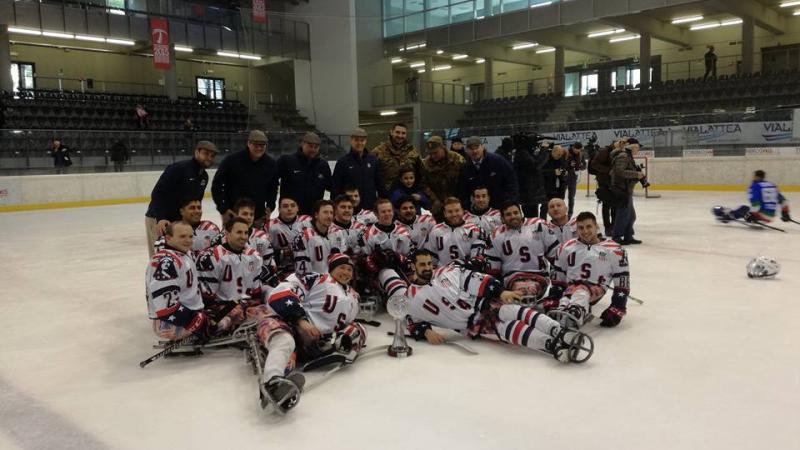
x: 179, y: 48
x: 606, y: 32
x: 227, y: 28
x: 480, y: 61
x: 725, y: 23
x: 416, y: 64
x: 686, y: 19
x: 796, y: 13
x: 397, y: 60
x: 541, y: 4
x: 443, y: 67
x: 421, y: 71
x: 120, y: 41
x: 787, y: 4
x: 524, y: 45
x: 58, y: 35
x: 250, y: 57
x: 228, y: 54
x: 624, y: 38
x: 546, y: 50
x: 457, y: 57
x: 401, y: 49
x: 389, y: 113
x: 117, y: 12
x: 83, y: 37
x: 439, y: 52
x: 24, y: 31
x: 704, y: 26
x: 480, y: 17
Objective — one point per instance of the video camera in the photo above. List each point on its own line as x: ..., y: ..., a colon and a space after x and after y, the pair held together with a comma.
x: 645, y: 184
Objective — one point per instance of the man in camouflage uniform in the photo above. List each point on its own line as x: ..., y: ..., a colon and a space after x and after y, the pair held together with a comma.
x: 440, y: 171
x: 394, y: 154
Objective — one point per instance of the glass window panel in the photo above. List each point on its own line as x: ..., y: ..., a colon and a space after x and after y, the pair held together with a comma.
x: 539, y: 2
x: 497, y: 7
x: 26, y: 76
x: 588, y: 82
x: 414, y: 6
x: 415, y: 22
x: 430, y: 4
x: 571, y: 84
x: 483, y: 8
x: 393, y: 27
x: 392, y: 8
x: 514, y: 5
x: 14, y: 77
x: 437, y: 17
x: 462, y: 12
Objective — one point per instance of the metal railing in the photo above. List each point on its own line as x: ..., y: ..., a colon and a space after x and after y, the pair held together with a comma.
x: 28, y: 152
x: 420, y: 91
x: 117, y: 87
x: 522, y: 88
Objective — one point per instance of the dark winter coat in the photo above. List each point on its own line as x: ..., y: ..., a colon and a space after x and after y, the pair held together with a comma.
x: 495, y: 173
x: 304, y: 179
x: 357, y: 171
x: 527, y: 165
x: 179, y: 181
x: 239, y: 176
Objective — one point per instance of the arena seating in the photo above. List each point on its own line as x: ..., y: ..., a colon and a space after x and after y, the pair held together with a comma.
x: 504, y: 112
x: 53, y: 109
x: 287, y: 117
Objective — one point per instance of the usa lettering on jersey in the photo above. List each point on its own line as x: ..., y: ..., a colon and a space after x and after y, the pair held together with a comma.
x: 597, y: 264
x: 329, y: 306
x: 449, y: 243
x: 312, y: 249
x: 517, y: 250
x: 171, y: 284
x: 228, y: 276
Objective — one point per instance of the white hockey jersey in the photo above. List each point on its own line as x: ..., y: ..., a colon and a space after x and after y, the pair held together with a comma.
x: 227, y: 276
x: 171, y: 284
x: 517, y: 250
x: 312, y: 249
x: 559, y: 234
x: 366, y: 217
x: 487, y: 222
x: 420, y: 229
x: 259, y: 241
x: 329, y: 306
x: 352, y: 236
x: 451, y: 243
x: 597, y: 264
x: 397, y: 240
x: 282, y: 236
x: 203, y: 238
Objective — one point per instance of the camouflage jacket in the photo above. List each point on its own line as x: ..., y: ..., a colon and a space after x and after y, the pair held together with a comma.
x: 441, y: 177
x: 390, y: 160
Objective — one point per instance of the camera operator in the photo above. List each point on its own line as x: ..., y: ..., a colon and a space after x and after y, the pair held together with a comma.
x: 527, y: 159
x: 555, y: 173
x: 600, y: 167
x: 575, y: 163
x: 624, y: 176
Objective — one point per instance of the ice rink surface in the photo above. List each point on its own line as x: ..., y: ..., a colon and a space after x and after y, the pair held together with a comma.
x: 710, y: 361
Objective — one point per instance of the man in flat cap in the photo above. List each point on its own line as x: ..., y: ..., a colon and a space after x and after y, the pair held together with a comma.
x: 304, y: 175
x: 249, y: 173
x: 487, y: 170
x: 357, y: 169
x: 179, y: 182
x: 440, y: 170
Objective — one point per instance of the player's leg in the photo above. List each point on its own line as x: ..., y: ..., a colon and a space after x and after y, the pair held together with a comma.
x: 168, y: 331
x: 152, y: 235
x: 279, y: 385
x: 235, y: 317
x: 530, y: 317
x: 565, y: 346
x: 576, y: 303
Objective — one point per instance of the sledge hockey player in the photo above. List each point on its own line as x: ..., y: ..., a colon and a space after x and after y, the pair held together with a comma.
x: 454, y: 238
x: 283, y: 230
x: 386, y: 234
x: 583, y: 269
x: 455, y: 297
x: 419, y: 225
x: 310, y: 310
x: 229, y: 272
x: 518, y: 244
x: 360, y: 214
x: 316, y: 243
x: 204, y: 231
x: 481, y: 214
x: 765, y: 198
x: 343, y: 221
x: 174, y: 302
x: 560, y: 227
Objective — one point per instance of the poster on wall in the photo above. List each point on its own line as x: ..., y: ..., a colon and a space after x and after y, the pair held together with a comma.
x: 260, y: 11
x: 159, y: 36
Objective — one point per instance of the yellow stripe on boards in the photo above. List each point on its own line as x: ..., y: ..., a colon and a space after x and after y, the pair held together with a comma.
x: 76, y: 204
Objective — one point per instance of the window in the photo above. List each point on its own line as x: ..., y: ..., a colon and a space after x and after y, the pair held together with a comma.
x: 514, y: 5
x: 22, y: 76
x: 392, y: 8
x: 462, y: 12
x: 588, y: 82
x: 414, y: 6
x: 437, y: 17
x: 211, y: 88
x: 415, y: 22
x: 571, y: 84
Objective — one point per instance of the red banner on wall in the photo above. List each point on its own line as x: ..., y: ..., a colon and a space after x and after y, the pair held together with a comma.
x: 159, y: 36
x: 260, y: 11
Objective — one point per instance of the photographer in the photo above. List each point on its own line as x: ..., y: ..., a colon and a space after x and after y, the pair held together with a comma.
x: 624, y: 176
x: 600, y: 167
x: 575, y: 163
x: 555, y: 173
x: 527, y: 159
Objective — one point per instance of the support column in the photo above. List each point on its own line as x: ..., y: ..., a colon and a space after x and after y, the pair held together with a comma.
x: 171, y: 75
x: 488, y: 78
x: 6, y: 84
x: 748, y: 44
x: 644, y: 60
x: 428, y: 74
x: 558, y: 72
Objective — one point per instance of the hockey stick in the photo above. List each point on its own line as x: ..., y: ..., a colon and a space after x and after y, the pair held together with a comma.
x: 793, y: 221
x: 326, y: 376
x: 372, y: 323
x: 460, y: 345
x: 761, y: 224
x: 169, y: 348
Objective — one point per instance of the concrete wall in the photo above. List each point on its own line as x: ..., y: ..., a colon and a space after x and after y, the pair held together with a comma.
x: 373, y: 68
x: 730, y: 170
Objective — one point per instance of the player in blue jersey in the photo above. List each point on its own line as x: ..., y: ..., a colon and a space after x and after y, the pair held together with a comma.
x: 765, y: 199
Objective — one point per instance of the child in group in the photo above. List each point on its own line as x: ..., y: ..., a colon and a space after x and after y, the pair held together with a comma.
x: 407, y: 186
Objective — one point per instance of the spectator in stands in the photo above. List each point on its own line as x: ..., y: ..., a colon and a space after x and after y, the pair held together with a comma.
x: 179, y: 181
x: 250, y: 173
x: 304, y: 175
x: 527, y: 160
x: 142, y: 116
x: 412, y: 85
x: 457, y: 145
x: 624, y: 176
x: 711, y: 63
x: 188, y: 125
x: 394, y: 154
x: 600, y: 167
x: 575, y: 164
x: 440, y: 174
x: 555, y: 173
x: 119, y: 154
x: 489, y: 170
x: 358, y: 169
x: 61, y: 156
x: 409, y: 186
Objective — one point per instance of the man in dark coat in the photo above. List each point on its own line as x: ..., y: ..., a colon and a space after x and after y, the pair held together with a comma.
x: 487, y: 169
x: 527, y: 160
x: 304, y: 175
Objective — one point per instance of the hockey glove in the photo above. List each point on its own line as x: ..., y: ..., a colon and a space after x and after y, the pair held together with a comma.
x: 612, y: 316
x: 785, y: 215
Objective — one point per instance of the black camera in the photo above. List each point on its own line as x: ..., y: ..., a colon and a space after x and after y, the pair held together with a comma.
x: 645, y: 184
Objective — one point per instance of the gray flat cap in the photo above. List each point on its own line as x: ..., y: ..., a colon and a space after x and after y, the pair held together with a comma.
x: 473, y: 141
x: 257, y: 136
x: 207, y: 145
x: 358, y: 132
x: 311, y: 138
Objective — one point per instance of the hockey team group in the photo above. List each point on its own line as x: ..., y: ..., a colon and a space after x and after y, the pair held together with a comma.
x: 294, y: 288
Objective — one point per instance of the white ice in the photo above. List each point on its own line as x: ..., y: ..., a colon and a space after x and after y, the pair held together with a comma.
x: 710, y: 361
